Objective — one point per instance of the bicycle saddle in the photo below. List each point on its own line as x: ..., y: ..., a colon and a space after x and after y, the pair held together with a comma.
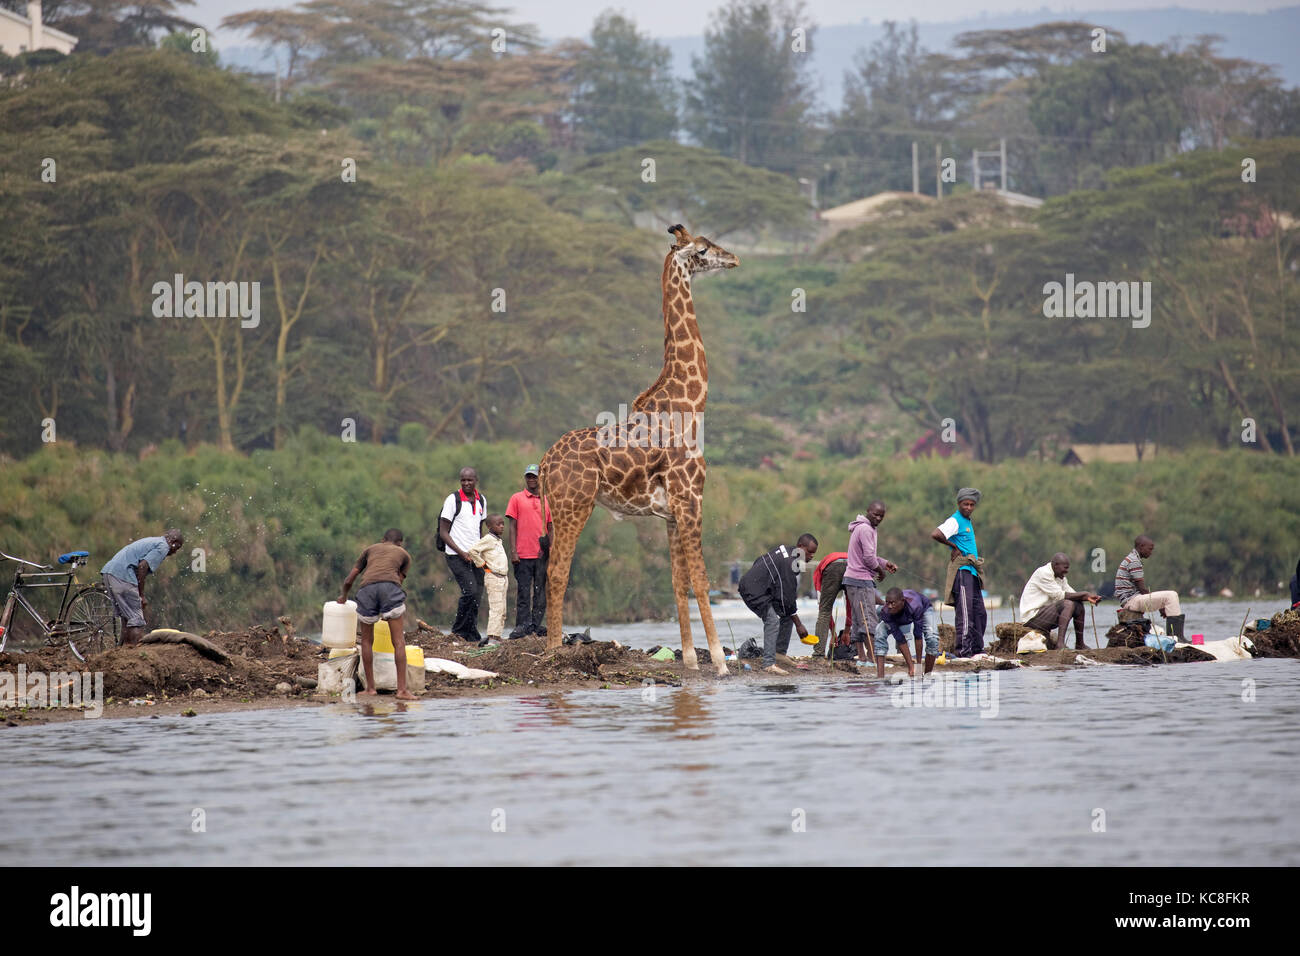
x: 72, y: 556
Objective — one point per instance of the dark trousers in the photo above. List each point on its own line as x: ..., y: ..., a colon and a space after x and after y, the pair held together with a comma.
x: 470, y: 580
x: 776, y: 635
x: 1048, y: 618
x: 530, y: 602
x: 971, y: 618
x: 831, y: 588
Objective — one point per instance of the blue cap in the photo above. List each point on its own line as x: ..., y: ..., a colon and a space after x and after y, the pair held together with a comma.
x: 533, y: 470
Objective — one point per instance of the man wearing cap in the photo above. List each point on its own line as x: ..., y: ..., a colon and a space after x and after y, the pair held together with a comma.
x: 964, y: 582
x: 528, y: 541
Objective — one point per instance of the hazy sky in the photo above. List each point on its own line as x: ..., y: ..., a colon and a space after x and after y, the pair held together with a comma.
x: 667, y: 18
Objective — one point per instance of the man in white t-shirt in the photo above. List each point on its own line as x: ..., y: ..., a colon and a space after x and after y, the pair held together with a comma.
x: 1047, y: 602
x: 460, y: 526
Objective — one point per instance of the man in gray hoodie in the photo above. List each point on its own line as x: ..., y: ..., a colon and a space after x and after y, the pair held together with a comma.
x: 865, y: 568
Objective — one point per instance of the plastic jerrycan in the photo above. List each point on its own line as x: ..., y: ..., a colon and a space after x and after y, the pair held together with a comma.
x: 339, y: 624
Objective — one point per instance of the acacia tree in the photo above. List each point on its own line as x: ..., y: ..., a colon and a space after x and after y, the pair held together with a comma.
x: 967, y: 341
x: 385, y: 260
x: 698, y: 187
x: 1220, y: 253
x: 752, y: 95
x: 896, y: 89
x: 1121, y: 109
x: 319, y: 35
x: 624, y: 92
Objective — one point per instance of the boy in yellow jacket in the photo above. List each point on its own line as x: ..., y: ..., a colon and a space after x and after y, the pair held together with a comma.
x: 489, y: 554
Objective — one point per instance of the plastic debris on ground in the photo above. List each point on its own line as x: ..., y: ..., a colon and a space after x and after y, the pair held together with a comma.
x: 439, y: 665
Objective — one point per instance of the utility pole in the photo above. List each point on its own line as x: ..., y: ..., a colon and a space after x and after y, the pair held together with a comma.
x: 1000, y: 154
x: 916, y: 170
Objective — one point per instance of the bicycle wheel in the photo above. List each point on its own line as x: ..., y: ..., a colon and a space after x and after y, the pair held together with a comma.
x: 93, y: 624
x: 6, y: 620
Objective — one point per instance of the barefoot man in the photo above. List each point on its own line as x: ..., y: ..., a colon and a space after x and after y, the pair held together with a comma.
x: 380, y: 597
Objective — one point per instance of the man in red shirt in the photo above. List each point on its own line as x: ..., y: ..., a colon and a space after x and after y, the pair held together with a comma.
x: 827, y: 581
x: 528, y: 541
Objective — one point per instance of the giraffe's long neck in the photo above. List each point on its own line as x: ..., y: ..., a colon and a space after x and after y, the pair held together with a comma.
x: 684, y: 381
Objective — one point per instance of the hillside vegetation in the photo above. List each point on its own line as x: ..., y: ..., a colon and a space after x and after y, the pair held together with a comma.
x: 279, y: 529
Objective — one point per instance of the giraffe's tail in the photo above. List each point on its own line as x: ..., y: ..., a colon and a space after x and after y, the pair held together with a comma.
x: 542, y: 469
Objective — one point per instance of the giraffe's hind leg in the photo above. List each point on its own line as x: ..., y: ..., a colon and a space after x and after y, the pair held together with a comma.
x: 569, y: 513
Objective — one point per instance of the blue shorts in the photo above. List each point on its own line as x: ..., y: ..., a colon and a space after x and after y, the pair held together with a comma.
x: 921, y: 629
x: 383, y: 599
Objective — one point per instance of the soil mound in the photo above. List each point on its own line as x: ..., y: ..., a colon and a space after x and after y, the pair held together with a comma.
x: 259, y: 659
x: 1126, y: 635
x: 1008, y: 638
x: 526, y: 660
x: 947, y: 638
x: 1281, y: 639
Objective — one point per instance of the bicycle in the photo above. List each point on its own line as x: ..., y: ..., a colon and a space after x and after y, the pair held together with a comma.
x: 87, y: 620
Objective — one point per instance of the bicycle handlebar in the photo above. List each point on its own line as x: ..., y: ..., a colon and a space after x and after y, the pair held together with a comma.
x: 43, y: 567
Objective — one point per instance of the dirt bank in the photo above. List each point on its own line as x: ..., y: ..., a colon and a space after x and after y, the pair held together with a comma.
x: 1281, y: 638
x: 267, y: 666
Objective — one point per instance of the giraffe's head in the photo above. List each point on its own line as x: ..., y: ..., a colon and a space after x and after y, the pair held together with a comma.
x: 698, y: 254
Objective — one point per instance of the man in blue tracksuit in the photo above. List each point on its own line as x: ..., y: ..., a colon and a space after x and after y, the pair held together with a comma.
x: 770, y: 589
x: 963, y: 585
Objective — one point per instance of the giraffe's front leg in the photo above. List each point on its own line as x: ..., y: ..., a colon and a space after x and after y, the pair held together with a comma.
x: 693, y: 559
x: 682, y: 594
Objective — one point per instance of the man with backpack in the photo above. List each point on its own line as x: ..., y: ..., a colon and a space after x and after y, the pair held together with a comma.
x: 460, y: 526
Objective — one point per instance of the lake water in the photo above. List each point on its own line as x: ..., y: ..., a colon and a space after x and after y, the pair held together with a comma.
x: 1190, y: 765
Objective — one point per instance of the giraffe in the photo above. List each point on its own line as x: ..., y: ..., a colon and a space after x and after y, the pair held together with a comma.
x: 649, y: 465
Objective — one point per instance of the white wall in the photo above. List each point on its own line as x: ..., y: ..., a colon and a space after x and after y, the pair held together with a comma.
x: 19, y: 33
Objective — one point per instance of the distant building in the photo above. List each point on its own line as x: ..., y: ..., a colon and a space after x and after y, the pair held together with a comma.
x: 855, y: 213
x: 1014, y: 198
x: 839, y: 218
x: 1120, y: 453
x: 21, y: 34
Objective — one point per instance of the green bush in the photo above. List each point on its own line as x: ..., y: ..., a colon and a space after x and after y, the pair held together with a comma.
x: 281, y: 529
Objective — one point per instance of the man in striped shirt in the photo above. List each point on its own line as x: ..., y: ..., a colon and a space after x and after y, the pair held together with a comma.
x: 1133, y: 594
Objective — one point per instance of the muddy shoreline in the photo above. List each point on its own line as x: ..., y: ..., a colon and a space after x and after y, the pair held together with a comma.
x: 268, y: 667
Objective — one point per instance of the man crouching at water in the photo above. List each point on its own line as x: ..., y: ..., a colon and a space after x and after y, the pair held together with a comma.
x: 380, y: 597
x: 901, y: 609
x: 770, y: 590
